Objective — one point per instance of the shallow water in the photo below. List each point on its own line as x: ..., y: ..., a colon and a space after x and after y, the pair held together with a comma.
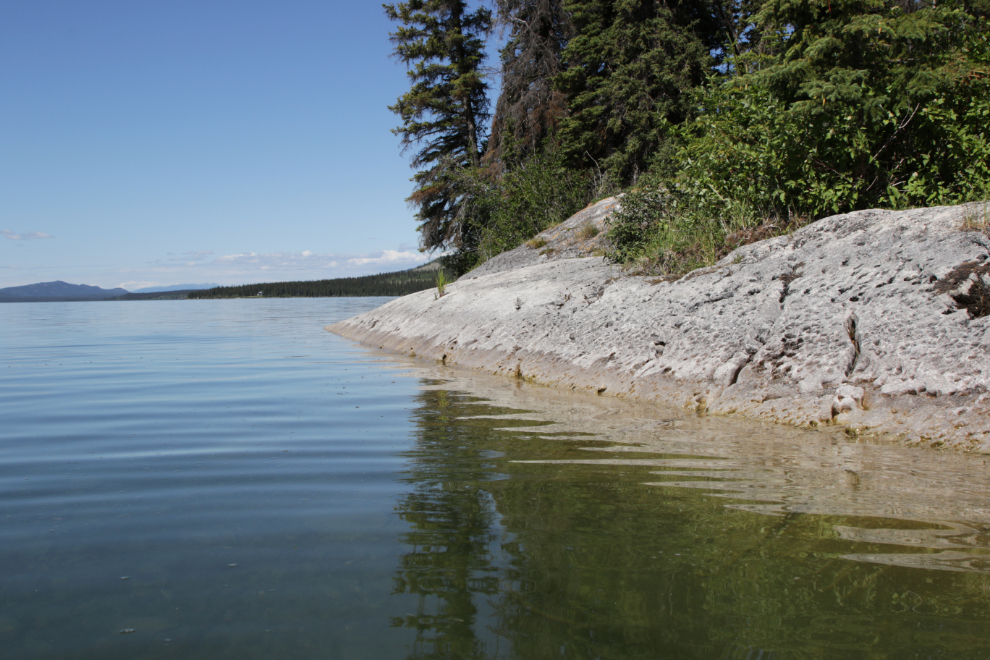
x: 225, y: 479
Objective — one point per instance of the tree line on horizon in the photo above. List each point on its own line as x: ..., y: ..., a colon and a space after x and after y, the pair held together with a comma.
x: 723, y: 121
x: 397, y: 283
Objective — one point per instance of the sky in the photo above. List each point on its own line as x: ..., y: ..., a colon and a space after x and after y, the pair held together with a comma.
x: 148, y: 143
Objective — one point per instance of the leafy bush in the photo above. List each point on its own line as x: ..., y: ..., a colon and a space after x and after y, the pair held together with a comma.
x: 880, y: 108
x: 666, y: 231
x: 501, y: 213
x: 538, y: 194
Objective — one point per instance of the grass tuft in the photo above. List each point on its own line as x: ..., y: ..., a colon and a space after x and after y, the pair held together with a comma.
x: 536, y: 243
x: 977, y: 220
x: 587, y: 231
x: 442, y: 283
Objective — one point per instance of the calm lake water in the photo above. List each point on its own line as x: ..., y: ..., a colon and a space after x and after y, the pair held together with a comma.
x: 225, y: 479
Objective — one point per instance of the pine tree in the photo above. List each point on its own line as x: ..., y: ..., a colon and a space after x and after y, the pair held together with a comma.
x: 528, y: 107
x: 446, y: 109
x: 628, y: 68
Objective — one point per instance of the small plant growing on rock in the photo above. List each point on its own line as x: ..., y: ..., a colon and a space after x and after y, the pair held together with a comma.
x: 536, y: 243
x: 587, y: 231
x: 442, y: 283
x: 977, y: 220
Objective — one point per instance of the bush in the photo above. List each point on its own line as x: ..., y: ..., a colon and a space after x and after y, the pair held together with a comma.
x: 538, y: 194
x: 661, y: 230
x: 762, y: 157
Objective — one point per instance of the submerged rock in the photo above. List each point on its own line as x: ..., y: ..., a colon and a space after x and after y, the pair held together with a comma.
x: 877, y: 320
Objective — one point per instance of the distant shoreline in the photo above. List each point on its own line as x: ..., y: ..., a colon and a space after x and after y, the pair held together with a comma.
x: 139, y: 297
x: 390, y: 284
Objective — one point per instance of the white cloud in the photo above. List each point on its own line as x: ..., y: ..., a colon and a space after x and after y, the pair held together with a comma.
x: 26, y: 236
x: 318, y: 264
x: 279, y: 260
x: 390, y: 257
x: 254, y: 267
x: 191, y: 258
x: 138, y: 284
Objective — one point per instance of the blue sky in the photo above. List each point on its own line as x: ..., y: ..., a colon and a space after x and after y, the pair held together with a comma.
x: 152, y: 143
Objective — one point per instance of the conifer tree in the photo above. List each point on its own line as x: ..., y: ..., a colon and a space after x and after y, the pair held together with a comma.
x: 528, y: 107
x: 628, y: 68
x: 875, y: 86
x: 446, y: 109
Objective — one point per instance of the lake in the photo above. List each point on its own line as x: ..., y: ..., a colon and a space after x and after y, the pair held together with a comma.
x: 225, y: 479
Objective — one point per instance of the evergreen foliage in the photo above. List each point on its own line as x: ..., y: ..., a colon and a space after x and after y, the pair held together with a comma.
x: 398, y: 283
x: 848, y: 105
x: 628, y: 72
x: 864, y: 80
x: 726, y: 121
x: 446, y: 109
x: 528, y: 108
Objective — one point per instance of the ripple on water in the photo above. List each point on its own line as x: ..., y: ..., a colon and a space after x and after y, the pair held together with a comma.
x: 224, y: 479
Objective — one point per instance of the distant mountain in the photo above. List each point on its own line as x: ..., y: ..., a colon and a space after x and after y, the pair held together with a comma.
x: 175, y: 287
x: 57, y: 292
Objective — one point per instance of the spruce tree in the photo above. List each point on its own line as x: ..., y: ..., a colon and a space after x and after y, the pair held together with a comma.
x: 629, y: 67
x: 445, y: 110
x: 528, y: 107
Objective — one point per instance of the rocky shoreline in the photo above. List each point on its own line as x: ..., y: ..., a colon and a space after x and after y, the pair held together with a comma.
x: 878, y: 321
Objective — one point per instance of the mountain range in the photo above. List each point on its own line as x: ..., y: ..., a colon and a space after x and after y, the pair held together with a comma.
x: 64, y: 292
x: 57, y: 291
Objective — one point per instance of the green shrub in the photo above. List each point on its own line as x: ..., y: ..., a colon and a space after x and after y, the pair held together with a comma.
x: 536, y: 195
x: 660, y: 230
x: 808, y: 134
x: 499, y: 213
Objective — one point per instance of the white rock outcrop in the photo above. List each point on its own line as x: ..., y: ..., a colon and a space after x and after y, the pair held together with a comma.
x: 877, y: 320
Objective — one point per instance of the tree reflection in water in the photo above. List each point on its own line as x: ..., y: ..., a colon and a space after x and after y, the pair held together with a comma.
x: 538, y: 560
x: 453, y: 520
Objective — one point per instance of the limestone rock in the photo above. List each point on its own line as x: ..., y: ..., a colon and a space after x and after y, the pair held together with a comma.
x: 564, y: 241
x: 848, y: 398
x: 878, y: 320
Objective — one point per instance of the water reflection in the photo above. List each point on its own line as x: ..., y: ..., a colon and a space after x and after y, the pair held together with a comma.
x: 549, y: 525
x: 452, y: 519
